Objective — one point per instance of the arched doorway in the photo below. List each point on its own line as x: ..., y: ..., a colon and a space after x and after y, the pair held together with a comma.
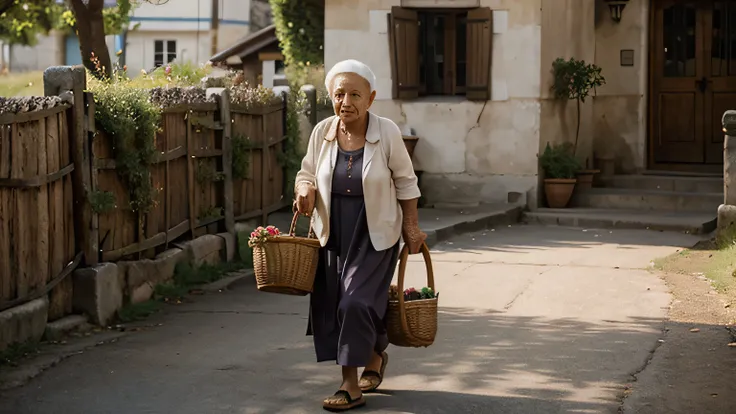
x: 692, y: 81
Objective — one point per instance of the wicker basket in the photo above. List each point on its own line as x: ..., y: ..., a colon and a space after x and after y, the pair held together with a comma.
x: 413, y: 323
x: 287, y: 264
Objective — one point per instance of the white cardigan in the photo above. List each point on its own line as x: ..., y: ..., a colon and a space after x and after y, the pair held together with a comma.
x: 388, y: 176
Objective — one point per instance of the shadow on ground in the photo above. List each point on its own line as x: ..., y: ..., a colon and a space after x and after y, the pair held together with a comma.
x: 245, y: 352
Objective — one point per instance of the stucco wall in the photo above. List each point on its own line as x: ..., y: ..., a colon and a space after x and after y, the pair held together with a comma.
x: 469, y: 151
x: 620, y: 109
x: 567, y: 31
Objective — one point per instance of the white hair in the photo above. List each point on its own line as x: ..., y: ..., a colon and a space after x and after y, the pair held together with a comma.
x: 350, y: 66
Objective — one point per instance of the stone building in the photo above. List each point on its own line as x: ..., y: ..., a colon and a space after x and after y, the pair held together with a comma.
x: 472, y: 79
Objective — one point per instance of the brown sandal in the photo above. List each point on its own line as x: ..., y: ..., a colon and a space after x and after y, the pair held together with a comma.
x: 342, y: 401
x: 371, y: 380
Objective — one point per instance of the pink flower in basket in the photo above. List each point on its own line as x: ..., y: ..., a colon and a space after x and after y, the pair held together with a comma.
x: 261, y: 234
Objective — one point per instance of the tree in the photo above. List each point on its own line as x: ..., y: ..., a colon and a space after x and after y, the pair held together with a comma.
x: 21, y: 21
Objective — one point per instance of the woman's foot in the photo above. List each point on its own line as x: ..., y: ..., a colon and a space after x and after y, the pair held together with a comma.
x: 373, y: 374
x: 347, y: 397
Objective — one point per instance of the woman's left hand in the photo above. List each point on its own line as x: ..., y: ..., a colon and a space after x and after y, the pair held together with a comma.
x: 414, y: 237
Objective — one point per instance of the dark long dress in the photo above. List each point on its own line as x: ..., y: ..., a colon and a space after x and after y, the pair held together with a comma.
x: 350, y: 295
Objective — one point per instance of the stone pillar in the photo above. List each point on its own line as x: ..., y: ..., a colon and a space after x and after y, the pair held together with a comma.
x: 726, y: 231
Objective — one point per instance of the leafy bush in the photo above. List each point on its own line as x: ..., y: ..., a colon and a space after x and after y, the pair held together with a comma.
x: 558, y: 161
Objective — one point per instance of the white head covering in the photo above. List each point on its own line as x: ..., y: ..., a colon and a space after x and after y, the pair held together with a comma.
x: 350, y: 66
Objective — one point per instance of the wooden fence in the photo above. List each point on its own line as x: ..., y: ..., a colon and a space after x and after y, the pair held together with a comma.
x: 196, y: 191
x: 52, y: 161
x: 37, y: 230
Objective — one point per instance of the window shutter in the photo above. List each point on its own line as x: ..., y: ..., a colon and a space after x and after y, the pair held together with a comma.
x: 403, y: 35
x: 479, y: 48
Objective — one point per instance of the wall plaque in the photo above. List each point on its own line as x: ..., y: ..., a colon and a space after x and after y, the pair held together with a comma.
x: 627, y: 57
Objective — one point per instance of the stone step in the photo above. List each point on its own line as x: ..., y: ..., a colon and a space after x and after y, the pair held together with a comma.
x: 692, y: 223
x: 700, y: 184
x: 66, y: 325
x: 652, y: 200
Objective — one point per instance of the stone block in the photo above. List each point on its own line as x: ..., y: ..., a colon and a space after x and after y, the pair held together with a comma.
x: 59, y: 328
x: 23, y: 323
x: 726, y: 227
x: 205, y: 249
x: 98, y: 292
x: 230, y: 246
x: 159, y: 270
x: 142, y: 293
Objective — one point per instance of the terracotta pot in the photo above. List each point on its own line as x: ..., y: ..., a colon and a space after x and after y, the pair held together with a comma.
x: 559, y: 191
x: 585, y: 179
x: 411, y: 143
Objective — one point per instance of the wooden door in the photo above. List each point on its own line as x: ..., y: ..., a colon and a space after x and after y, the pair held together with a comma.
x: 720, y: 66
x: 678, y: 66
x: 693, y: 79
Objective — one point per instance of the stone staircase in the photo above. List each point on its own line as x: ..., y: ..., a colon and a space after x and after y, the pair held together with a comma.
x: 683, y: 203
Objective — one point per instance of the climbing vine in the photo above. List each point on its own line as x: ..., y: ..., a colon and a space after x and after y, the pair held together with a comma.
x: 242, y: 147
x: 102, y: 201
x: 131, y: 121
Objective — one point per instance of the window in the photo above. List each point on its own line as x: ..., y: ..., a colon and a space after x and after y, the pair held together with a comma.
x: 429, y: 52
x: 164, y: 52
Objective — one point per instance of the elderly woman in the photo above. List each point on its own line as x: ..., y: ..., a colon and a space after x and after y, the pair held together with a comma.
x: 358, y: 181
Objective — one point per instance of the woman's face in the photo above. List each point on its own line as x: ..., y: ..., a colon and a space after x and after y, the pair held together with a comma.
x: 351, y: 97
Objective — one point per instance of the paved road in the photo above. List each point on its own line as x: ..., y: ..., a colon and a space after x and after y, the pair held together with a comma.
x: 533, y: 320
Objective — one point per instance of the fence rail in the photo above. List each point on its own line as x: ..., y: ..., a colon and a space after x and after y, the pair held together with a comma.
x: 53, y: 161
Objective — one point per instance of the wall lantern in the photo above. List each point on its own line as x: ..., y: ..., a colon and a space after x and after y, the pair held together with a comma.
x: 617, y: 8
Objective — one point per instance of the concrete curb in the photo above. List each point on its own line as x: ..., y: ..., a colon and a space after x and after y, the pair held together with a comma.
x: 226, y: 282
x: 473, y: 222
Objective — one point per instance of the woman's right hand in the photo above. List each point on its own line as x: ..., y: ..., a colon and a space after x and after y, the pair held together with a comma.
x: 305, y: 195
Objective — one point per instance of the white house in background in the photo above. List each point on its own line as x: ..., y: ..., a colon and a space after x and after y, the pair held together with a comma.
x: 180, y: 30
x: 160, y: 33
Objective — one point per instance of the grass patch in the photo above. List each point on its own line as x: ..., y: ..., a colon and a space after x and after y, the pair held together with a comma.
x: 21, y: 84
x: 715, y: 261
x: 187, y: 277
x: 17, y: 352
x: 138, y: 311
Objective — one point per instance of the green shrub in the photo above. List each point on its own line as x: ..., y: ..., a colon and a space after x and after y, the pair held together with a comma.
x: 558, y: 161
x: 300, y: 28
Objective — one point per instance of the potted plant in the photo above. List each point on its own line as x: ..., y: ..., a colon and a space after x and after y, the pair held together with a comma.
x: 560, y: 167
x: 573, y: 80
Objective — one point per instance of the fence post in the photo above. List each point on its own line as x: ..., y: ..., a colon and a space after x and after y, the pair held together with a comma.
x: 60, y: 80
x: 726, y: 230
x: 223, y: 105
x: 311, y: 93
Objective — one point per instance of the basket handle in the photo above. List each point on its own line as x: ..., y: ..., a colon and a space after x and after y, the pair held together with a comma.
x: 292, y: 228
x: 403, y: 259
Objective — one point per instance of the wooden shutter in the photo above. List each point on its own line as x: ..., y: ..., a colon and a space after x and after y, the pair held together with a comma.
x: 479, y: 48
x: 403, y: 35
